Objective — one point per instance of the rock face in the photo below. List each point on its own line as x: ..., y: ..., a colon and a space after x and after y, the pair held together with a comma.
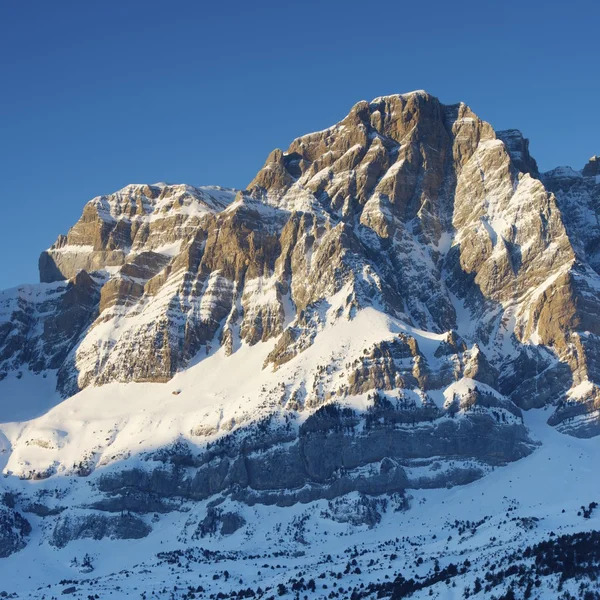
x: 216, y: 520
x: 484, y: 272
x: 97, y: 527
x: 39, y: 325
x: 336, y: 452
x: 14, y: 529
x: 139, y: 219
x: 592, y: 169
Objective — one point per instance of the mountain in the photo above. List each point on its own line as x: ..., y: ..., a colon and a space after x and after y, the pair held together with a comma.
x: 387, y: 345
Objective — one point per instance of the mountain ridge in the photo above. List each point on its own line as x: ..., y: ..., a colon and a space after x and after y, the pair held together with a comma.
x: 371, y: 316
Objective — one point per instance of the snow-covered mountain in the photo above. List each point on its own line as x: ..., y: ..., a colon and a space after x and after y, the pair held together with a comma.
x: 372, y: 373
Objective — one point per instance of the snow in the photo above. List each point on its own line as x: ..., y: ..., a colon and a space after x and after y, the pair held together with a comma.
x: 144, y: 416
x: 465, y: 385
x: 72, y: 249
x: 380, y: 99
x: 392, y: 172
x: 563, y: 173
x: 169, y: 249
x: 444, y: 243
x: 465, y: 323
x: 261, y: 291
x: 117, y: 423
x: 545, y: 489
x: 581, y: 389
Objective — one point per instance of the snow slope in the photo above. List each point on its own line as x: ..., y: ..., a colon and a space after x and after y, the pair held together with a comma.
x: 532, y: 500
x: 118, y: 419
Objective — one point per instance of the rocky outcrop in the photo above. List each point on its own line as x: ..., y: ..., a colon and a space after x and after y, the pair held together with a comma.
x: 217, y: 521
x: 337, y: 451
x: 114, y: 229
x: 389, y: 365
x: 578, y: 196
x: 14, y: 529
x: 518, y: 148
x: 72, y: 527
x: 39, y: 325
x: 364, y: 510
x: 576, y: 300
x: 592, y: 169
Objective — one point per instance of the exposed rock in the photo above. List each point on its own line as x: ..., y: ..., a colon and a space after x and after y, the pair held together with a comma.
x: 41, y: 510
x: 334, y: 456
x: 14, y: 529
x: 518, y: 148
x: 579, y: 416
x: 39, y: 325
x: 115, y: 229
x: 592, y: 169
x: 217, y: 521
x: 406, y: 202
x: 71, y: 527
x: 364, y: 510
x: 133, y: 502
x: 387, y: 366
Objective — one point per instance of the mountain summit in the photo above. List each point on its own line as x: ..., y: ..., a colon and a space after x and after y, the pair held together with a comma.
x: 375, y: 313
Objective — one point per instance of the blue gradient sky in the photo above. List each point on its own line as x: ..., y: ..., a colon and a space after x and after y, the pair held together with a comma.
x: 95, y: 95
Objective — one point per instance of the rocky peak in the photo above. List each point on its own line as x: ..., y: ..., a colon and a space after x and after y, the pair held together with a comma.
x: 592, y: 169
x: 518, y: 148
x: 401, y: 151
x: 113, y: 229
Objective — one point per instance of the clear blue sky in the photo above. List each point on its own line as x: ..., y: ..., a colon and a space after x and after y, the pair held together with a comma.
x: 95, y: 95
